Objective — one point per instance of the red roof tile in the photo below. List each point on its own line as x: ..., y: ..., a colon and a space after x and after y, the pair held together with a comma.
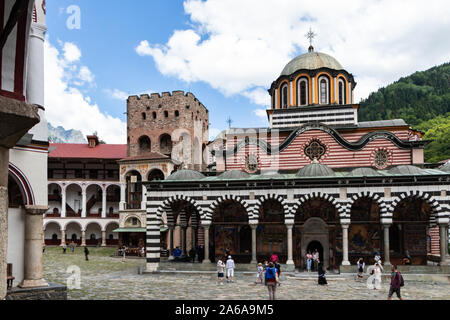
x: 82, y: 151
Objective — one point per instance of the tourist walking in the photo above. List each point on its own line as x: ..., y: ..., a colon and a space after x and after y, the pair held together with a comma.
x: 361, y: 265
x: 378, y: 270
x: 277, y: 268
x: 265, y: 265
x: 260, y: 274
x: 192, y: 254
x: 72, y: 246
x: 220, y: 270
x: 308, y: 261
x: 396, y: 283
x: 316, y: 259
x: 321, y: 272
x: 377, y: 257
x: 124, y: 251
x: 230, y: 269
x: 86, y: 253
x: 64, y: 247
x: 271, y: 280
x: 274, y: 258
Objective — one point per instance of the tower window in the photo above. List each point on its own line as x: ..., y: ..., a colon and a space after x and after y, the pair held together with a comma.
x: 324, y: 92
x: 144, y: 144
x: 302, y: 92
x: 144, y: 116
x: 177, y: 114
x: 166, y: 114
x: 154, y: 115
x: 284, y: 96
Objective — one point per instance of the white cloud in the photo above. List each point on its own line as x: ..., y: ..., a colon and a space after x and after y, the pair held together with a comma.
x: 67, y: 106
x: 261, y: 113
x: 239, y: 46
x: 117, y: 94
x: 86, y: 75
x: 258, y: 96
x: 71, y: 52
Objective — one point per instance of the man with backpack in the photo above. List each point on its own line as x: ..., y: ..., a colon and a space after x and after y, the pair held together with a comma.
x: 271, y: 280
x: 396, y: 283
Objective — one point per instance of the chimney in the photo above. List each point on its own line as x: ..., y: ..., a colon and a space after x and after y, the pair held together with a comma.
x: 92, y: 141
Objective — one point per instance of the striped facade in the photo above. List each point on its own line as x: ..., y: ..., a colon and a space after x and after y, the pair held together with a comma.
x: 291, y: 195
x: 293, y: 156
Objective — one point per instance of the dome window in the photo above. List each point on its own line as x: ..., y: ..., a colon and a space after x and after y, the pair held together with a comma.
x: 341, y: 90
x: 302, y: 92
x: 323, y: 90
x: 284, y: 96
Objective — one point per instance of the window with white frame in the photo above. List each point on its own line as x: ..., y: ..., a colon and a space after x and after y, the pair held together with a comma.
x: 323, y: 90
x: 284, y: 96
x: 302, y: 90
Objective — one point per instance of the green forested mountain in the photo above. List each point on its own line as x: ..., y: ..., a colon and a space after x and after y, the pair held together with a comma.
x: 423, y: 101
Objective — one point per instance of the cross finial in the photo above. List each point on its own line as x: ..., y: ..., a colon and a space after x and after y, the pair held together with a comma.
x: 229, y: 121
x: 310, y: 35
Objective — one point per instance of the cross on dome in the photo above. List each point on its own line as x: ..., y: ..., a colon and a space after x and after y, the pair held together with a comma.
x: 310, y: 35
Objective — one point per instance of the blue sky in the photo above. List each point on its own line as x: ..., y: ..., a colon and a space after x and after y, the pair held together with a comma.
x: 226, y: 53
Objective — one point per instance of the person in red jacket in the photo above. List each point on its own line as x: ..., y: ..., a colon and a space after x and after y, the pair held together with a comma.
x: 396, y: 283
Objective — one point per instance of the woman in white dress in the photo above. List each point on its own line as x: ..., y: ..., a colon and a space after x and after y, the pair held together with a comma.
x: 378, y: 270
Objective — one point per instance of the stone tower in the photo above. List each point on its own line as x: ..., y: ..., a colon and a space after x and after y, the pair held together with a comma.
x: 174, y: 124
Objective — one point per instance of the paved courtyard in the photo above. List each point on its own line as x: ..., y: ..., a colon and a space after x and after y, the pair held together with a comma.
x: 104, y: 277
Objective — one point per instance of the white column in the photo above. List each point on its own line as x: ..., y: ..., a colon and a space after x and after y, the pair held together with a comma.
x: 122, y: 204
x: 292, y: 94
x: 345, y: 261
x: 206, y: 233
x: 290, y: 259
x: 103, y: 238
x: 63, y: 201
x: 35, y: 77
x: 253, y: 227
x: 63, y: 237
x: 83, y: 237
x: 33, y: 269
x: 443, y: 243
x: 83, y: 202
x: 104, y: 202
x: 144, y: 198
x: 387, y: 257
x: 349, y: 93
x: 336, y: 97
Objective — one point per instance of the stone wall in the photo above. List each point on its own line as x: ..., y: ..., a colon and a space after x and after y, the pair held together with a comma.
x: 53, y: 292
x: 155, y: 115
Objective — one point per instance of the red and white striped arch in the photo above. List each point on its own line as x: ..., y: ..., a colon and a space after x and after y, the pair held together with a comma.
x: 24, y: 184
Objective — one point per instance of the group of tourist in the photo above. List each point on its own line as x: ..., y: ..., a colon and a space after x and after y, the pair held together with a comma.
x: 229, y: 266
x: 312, y: 258
x: 198, y: 252
x: 377, y: 270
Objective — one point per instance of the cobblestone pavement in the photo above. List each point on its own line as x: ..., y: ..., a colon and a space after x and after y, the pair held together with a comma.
x: 104, y: 277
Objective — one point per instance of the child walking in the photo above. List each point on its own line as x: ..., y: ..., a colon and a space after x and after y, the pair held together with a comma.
x: 260, y: 274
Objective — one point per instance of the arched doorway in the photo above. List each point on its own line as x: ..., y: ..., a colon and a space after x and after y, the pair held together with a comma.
x: 317, y: 220
x: 230, y: 230
x: 313, y: 246
x: 364, y: 234
x: 52, y: 234
x: 271, y: 231
x: 408, y: 234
